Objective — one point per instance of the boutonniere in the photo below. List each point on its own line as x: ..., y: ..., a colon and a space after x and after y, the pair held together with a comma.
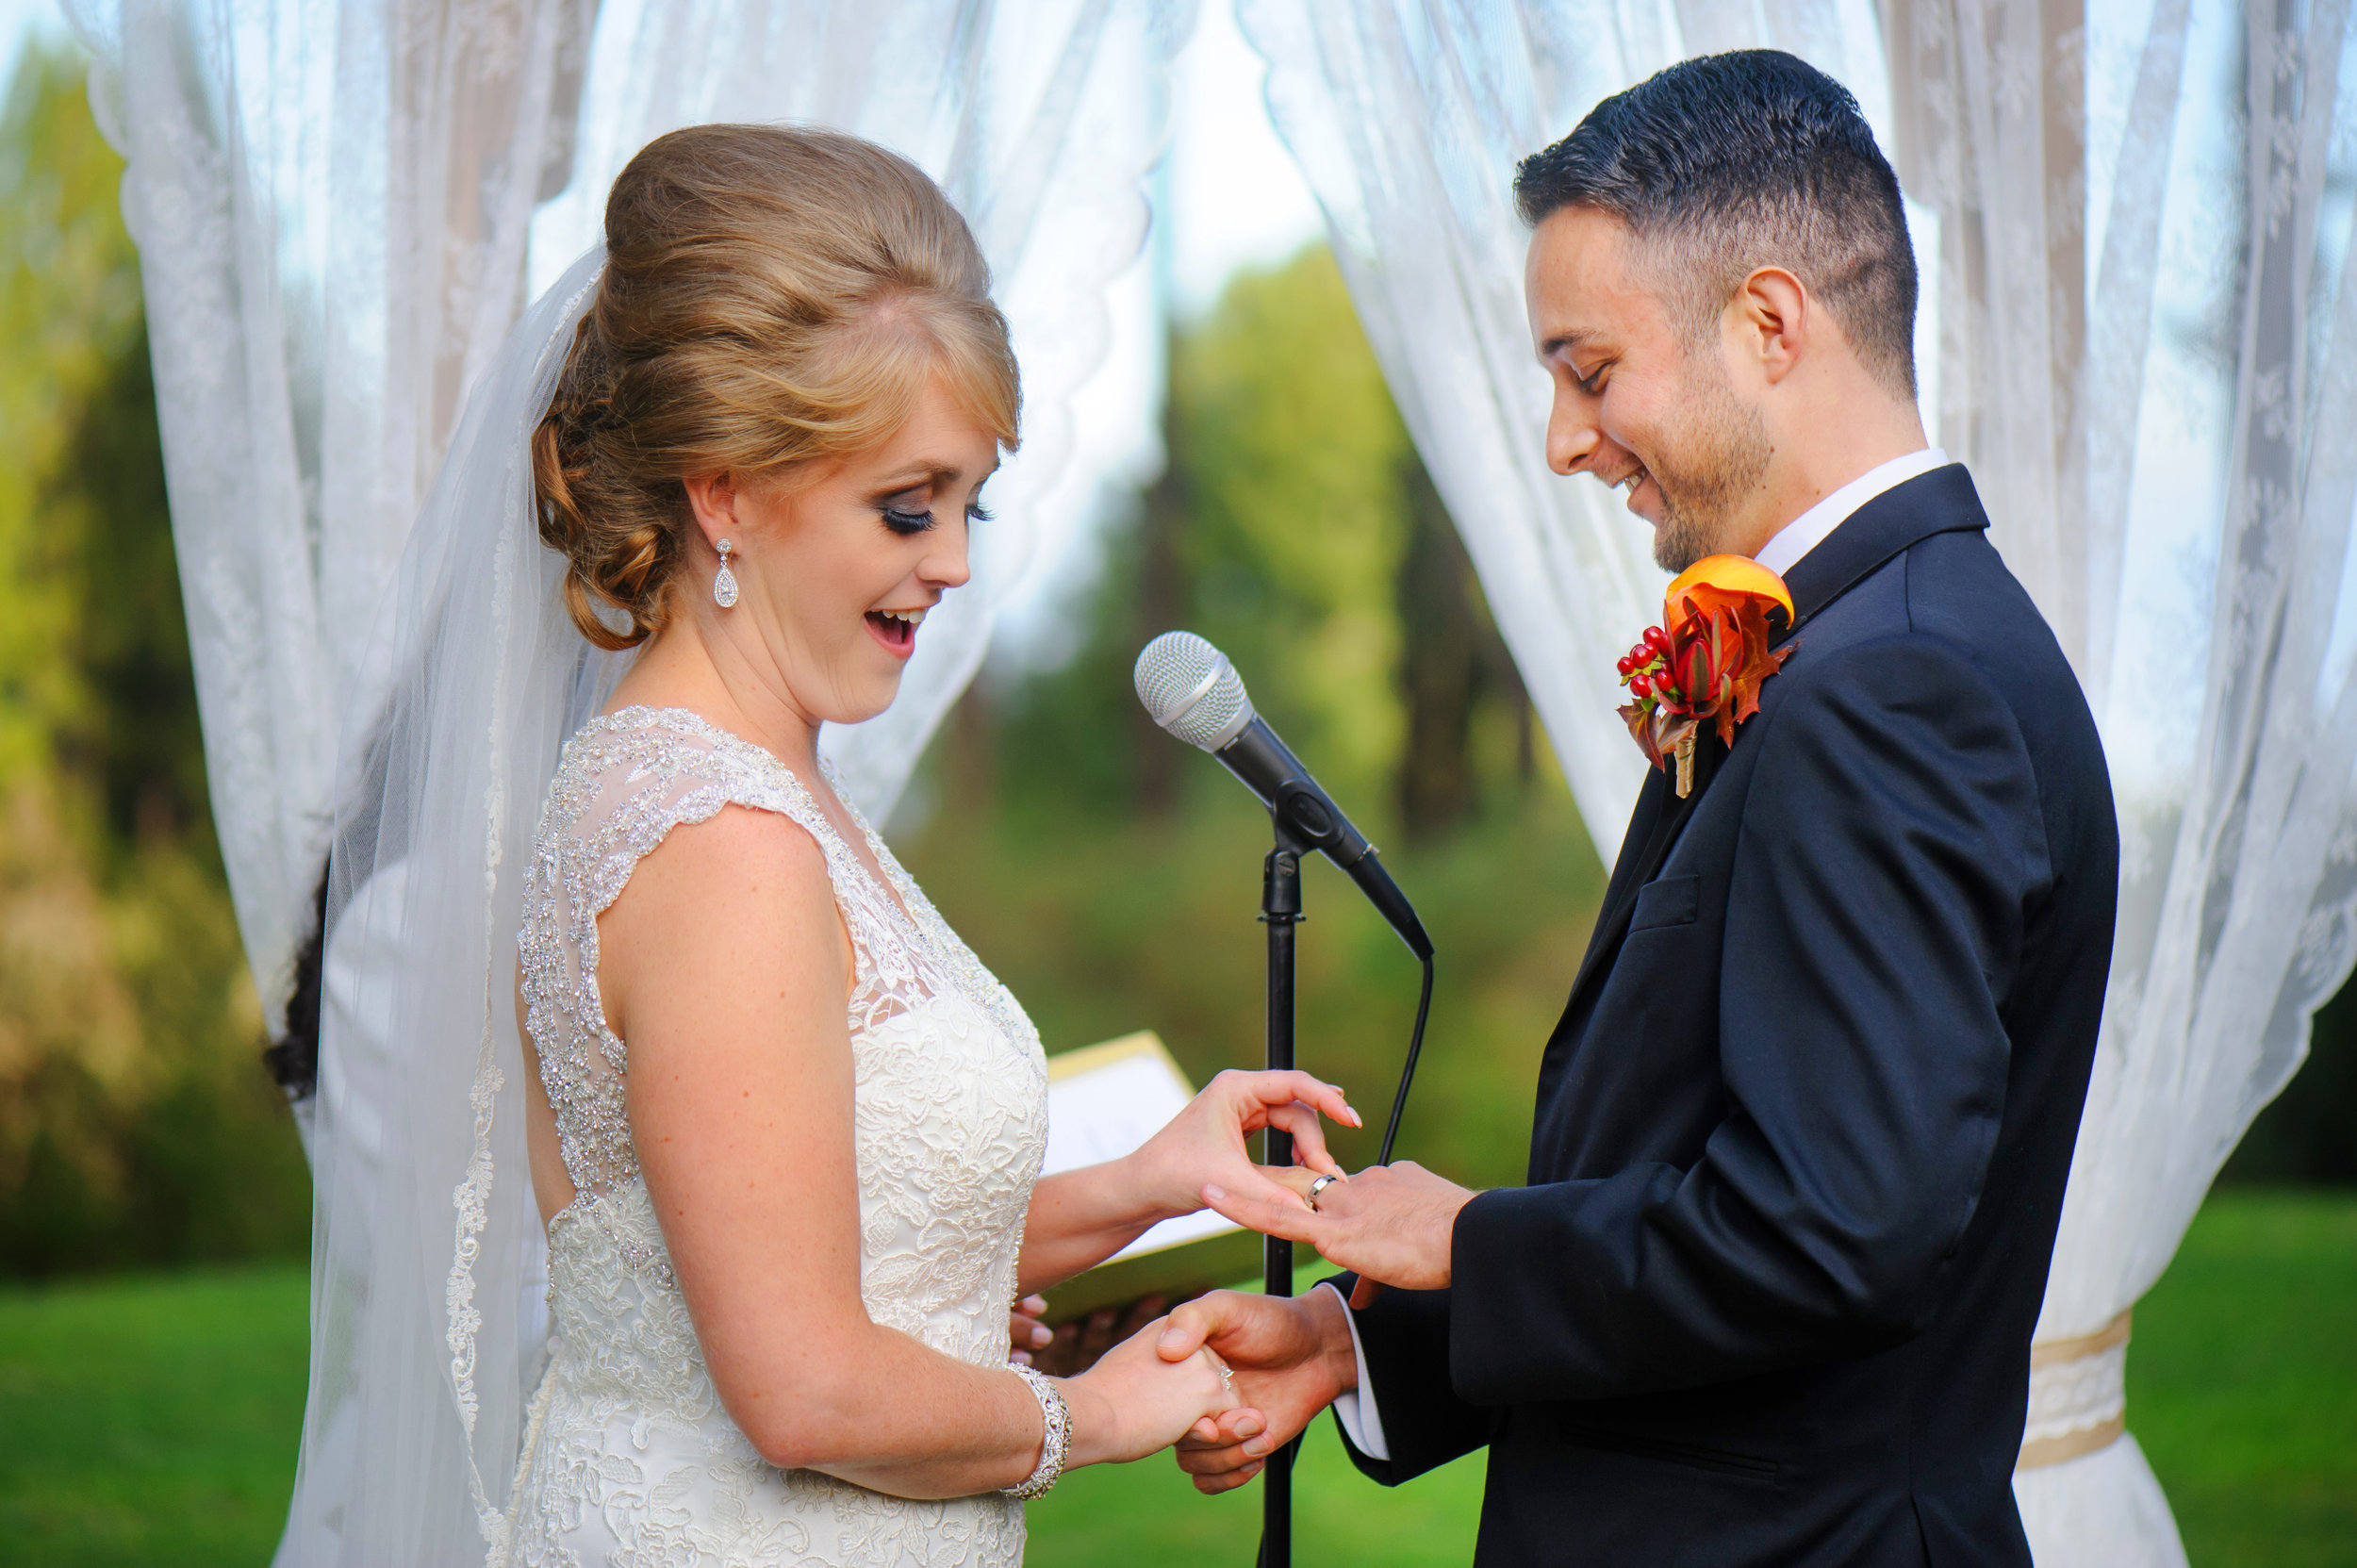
x: 1706, y: 660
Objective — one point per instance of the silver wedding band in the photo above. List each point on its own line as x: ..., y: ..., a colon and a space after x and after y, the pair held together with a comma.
x: 1316, y: 1187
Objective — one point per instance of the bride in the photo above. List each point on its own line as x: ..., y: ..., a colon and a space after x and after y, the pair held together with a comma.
x: 784, y: 1129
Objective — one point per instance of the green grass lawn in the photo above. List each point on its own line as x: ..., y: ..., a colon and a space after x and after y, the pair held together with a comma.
x: 2242, y: 1381
x: 153, y: 1421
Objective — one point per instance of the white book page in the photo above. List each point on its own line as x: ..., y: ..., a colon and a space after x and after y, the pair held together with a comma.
x: 1108, y: 1110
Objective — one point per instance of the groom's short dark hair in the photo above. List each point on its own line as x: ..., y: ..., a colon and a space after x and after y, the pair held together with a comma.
x: 1732, y: 162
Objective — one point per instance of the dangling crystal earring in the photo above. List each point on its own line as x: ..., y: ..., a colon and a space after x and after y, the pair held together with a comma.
x: 724, y: 582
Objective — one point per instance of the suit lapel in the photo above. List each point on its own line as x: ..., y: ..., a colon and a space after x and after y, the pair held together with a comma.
x: 1940, y: 502
x: 1652, y: 803
x: 1635, y: 869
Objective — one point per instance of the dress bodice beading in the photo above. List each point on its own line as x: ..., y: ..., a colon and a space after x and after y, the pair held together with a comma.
x: 950, y: 1125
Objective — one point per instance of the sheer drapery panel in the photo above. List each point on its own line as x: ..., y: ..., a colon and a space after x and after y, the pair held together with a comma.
x: 332, y: 205
x: 2138, y: 332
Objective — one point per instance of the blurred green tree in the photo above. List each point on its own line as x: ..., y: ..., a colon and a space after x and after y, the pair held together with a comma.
x: 1292, y: 453
x: 135, y: 1125
x: 1294, y: 526
x: 68, y: 313
x: 1455, y: 672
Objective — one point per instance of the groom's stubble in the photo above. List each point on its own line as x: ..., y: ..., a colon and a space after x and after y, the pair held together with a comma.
x: 1710, y: 463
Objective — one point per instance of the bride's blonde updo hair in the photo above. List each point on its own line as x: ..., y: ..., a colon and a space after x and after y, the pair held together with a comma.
x: 771, y: 294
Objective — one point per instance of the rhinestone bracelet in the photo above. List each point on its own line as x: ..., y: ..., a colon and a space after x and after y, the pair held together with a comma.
x: 1054, y: 1443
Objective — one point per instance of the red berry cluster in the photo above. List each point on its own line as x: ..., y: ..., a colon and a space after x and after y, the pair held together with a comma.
x: 1645, y: 667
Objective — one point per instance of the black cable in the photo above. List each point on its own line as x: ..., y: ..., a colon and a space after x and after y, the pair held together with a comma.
x: 1408, y: 1072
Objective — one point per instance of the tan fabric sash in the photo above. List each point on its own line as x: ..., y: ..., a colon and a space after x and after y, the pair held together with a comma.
x: 2077, y: 1395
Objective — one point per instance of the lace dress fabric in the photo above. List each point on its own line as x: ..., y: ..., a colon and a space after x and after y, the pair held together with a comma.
x: 629, y: 1456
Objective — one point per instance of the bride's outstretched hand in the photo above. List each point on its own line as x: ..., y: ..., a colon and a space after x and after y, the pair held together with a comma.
x: 1081, y: 1217
x: 1134, y: 1403
x: 1204, y: 1144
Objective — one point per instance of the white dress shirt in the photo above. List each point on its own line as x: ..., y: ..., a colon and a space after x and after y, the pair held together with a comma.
x: 1807, y: 531
x: 1355, y: 1409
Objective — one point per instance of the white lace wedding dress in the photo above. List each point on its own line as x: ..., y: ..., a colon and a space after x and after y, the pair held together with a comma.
x: 628, y: 1456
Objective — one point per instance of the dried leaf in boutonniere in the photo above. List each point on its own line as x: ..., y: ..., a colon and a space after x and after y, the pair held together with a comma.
x: 1706, y: 661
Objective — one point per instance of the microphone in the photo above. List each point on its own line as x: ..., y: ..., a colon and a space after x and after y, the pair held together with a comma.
x: 1195, y: 693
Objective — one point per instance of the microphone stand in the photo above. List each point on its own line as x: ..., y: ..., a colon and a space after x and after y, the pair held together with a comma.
x: 1280, y: 911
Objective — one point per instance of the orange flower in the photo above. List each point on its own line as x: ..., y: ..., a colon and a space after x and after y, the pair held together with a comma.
x: 1706, y: 660
x: 1731, y: 574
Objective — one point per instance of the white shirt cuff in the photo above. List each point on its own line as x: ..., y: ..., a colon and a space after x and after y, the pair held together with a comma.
x: 1361, y: 1422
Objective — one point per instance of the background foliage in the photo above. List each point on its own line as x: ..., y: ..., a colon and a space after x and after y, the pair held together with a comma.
x: 134, y: 1127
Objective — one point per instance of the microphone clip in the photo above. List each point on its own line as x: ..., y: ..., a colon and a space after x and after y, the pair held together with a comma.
x: 1280, y: 879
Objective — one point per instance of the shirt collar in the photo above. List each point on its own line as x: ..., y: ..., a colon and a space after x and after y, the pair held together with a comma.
x: 1805, y: 532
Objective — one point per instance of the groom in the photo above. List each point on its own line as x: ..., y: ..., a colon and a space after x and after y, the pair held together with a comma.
x: 1802, y: 1131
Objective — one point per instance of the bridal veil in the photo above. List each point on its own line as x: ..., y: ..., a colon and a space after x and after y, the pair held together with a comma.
x: 428, y: 1310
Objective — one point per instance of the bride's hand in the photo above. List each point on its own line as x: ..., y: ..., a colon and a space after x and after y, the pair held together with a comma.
x: 1132, y: 1403
x: 1204, y: 1144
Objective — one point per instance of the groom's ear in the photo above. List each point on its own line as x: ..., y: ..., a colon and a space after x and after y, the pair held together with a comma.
x: 1773, y: 319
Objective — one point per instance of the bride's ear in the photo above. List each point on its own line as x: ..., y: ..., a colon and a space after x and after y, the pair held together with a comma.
x: 712, y: 497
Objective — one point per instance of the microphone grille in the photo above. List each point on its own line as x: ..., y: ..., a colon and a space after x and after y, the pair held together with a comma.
x: 1191, y: 690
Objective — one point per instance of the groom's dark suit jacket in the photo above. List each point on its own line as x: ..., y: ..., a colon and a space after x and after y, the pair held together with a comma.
x: 1802, y: 1131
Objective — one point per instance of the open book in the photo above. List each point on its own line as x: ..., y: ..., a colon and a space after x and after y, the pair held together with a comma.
x: 1103, y: 1101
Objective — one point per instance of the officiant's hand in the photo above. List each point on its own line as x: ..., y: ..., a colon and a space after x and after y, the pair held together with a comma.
x: 1204, y: 1144
x: 1290, y: 1357
x: 1026, y: 1333
x: 1393, y: 1225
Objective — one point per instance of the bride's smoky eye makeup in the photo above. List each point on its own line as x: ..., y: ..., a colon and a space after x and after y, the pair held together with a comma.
x: 909, y: 520
x: 905, y: 512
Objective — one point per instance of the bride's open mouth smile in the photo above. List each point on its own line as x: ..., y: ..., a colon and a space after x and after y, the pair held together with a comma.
x: 896, y: 629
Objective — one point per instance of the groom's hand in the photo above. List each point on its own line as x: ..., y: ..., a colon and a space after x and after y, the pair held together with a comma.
x: 1207, y: 1143
x: 1291, y: 1355
x: 1393, y: 1225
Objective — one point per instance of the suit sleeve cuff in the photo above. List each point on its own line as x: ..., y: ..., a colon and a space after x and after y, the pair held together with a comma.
x: 1361, y: 1422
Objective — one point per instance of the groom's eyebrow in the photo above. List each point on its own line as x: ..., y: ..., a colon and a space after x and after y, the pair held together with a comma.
x: 1563, y: 343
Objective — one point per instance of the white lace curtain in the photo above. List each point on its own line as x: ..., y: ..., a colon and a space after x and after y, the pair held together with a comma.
x: 337, y: 209
x: 2139, y: 333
